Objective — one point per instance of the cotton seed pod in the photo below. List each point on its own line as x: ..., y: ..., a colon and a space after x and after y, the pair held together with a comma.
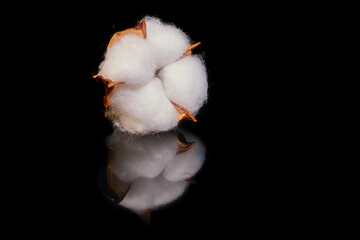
x: 151, y: 78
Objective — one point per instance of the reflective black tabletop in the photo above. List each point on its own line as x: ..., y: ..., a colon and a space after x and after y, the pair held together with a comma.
x: 227, y: 173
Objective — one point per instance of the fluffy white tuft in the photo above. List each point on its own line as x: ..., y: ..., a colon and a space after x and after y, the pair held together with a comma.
x: 142, y: 110
x: 129, y: 60
x: 185, y: 82
x: 167, y: 42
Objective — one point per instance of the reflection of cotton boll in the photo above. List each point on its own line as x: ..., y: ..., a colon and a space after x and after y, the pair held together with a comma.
x: 129, y: 60
x: 133, y: 157
x: 151, y: 193
x: 167, y: 42
x: 185, y: 82
x: 186, y: 164
x: 142, y: 110
x: 144, y: 173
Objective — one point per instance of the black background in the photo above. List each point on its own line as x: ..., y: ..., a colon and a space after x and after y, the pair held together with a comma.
x: 244, y: 186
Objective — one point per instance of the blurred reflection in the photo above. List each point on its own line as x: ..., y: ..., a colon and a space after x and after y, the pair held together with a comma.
x: 147, y: 172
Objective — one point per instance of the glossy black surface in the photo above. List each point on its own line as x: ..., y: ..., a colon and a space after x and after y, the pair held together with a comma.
x: 242, y: 185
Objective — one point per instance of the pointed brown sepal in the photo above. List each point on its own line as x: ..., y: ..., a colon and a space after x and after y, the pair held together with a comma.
x: 106, y: 98
x: 102, y: 78
x: 183, y: 113
x: 189, y: 49
x: 109, y: 87
x: 113, y: 84
x: 139, y: 30
x: 184, y: 147
x: 142, y: 26
x: 190, y: 180
x: 146, y: 214
x: 119, y: 187
x: 108, y: 82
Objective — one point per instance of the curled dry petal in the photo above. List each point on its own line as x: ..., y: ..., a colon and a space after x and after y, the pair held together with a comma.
x: 145, y: 213
x: 183, y: 113
x: 119, y: 187
x: 139, y: 30
x: 109, y: 87
x: 189, y: 49
x: 190, y: 180
x: 184, y: 146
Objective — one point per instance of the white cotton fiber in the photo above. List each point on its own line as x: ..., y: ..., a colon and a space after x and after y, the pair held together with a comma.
x: 167, y: 42
x: 145, y: 156
x: 129, y: 60
x: 185, y: 82
x: 143, y: 109
x: 186, y: 164
x: 151, y: 193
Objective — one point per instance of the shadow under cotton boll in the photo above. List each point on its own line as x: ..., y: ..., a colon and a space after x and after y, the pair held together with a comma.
x: 144, y: 173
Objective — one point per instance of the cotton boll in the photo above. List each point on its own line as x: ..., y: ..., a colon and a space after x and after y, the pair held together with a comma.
x: 137, y: 100
x: 151, y: 193
x: 142, y: 110
x: 186, y: 164
x: 132, y: 157
x: 129, y: 60
x: 185, y: 82
x: 167, y: 42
